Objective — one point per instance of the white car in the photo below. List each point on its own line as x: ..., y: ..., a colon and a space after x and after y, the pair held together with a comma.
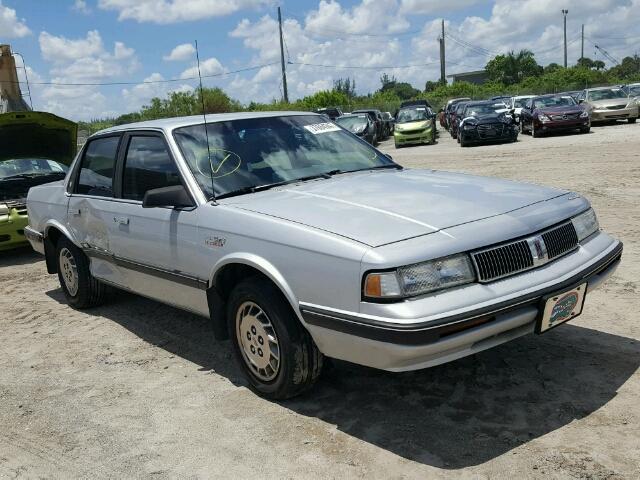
x: 299, y: 240
x: 517, y: 103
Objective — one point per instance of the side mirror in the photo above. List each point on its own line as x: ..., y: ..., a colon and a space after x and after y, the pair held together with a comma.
x: 581, y: 100
x: 175, y: 196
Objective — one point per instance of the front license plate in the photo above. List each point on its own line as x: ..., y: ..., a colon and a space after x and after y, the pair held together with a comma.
x: 561, y: 307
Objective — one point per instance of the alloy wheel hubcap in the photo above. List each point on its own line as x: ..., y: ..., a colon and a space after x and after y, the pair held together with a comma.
x: 69, y: 271
x: 258, y: 341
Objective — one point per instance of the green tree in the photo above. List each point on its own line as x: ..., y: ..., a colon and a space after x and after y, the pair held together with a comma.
x: 513, y: 67
x: 598, y: 65
x: 346, y: 86
x: 585, y: 62
x: 629, y: 68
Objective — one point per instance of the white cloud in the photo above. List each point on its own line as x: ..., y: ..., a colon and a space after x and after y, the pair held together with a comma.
x: 173, y: 11
x: 210, y: 66
x: 10, y: 25
x: 427, y: 7
x: 181, y: 53
x: 60, y: 49
x: 142, y: 93
x: 81, y: 7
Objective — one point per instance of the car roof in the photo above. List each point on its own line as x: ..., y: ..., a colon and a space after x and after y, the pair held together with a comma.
x: 168, y: 124
x: 603, y: 88
x: 363, y: 114
x: 523, y: 96
x: 482, y: 102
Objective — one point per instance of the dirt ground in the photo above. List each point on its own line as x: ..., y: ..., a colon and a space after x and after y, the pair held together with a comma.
x: 139, y: 389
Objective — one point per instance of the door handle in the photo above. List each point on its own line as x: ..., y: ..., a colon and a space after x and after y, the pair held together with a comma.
x: 121, y: 220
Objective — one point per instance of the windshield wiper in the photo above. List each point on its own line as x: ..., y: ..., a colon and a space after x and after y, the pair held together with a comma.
x: 18, y: 176
x: 260, y: 188
x: 395, y: 166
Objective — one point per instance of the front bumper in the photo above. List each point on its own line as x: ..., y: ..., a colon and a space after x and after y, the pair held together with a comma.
x: 12, y: 230
x: 424, y: 136
x: 508, y: 134
x: 397, y: 345
x: 561, y: 125
x: 605, y: 115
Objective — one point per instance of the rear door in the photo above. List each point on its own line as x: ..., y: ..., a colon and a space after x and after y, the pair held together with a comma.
x: 92, y: 205
x: 156, y: 248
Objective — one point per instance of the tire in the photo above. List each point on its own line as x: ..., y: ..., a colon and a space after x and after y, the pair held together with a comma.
x: 463, y: 143
x: 81, y: 289
x: 631, y: 120
x: 396, y: 145
x: 257, y: 310
x: 585, y: 129
x: 534, y: 132
x: 521, y: 126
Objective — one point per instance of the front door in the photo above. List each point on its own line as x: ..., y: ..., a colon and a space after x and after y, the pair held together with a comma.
x: 155, y: 247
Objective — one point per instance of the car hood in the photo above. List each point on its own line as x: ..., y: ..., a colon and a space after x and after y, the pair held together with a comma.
x: 488, y: 118
x: 560, y: 110
x: 610, y: 102
x: 381, y: 207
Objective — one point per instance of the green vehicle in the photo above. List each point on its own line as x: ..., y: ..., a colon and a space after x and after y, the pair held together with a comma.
x: 35, y: 148
x: 414, y: 125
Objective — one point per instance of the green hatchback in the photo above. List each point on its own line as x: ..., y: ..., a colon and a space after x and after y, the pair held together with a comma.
x: 36, y: 148
x: 414, y: 125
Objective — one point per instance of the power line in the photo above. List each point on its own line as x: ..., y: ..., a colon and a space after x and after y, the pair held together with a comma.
x: 361, y: 67
x: 147, y: 82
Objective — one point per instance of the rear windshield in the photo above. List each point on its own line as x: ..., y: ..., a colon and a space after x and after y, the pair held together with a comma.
x: 261, y: 151
x: 484, y: 109
x: 350, y: 122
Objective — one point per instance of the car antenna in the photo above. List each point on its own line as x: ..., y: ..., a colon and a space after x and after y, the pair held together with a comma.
x: 204, y: 116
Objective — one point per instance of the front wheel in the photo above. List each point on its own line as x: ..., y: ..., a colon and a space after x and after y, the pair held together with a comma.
x: 534, y: 133
x: 276, y: 353
x: 631, y: 120
x: 81, y: 289
x: 585, y: 129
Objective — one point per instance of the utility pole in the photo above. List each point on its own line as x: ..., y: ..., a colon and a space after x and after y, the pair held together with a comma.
x: 284, y: 72
x: 443, y: 78
x: 582, y: 45
x: 564, y: 15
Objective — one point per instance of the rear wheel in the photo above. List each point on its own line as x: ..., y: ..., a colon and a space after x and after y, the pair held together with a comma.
x: 81, y: 289
x: 276, y: 353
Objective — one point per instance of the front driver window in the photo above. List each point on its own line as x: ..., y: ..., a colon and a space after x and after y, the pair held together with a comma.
x: 148, y: 165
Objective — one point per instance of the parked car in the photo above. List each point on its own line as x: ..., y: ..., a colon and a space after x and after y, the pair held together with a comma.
x: 412, y: 103
x: 486, y: 122
x: 516, y: 103
x: 609, y: 104
x: 377, y: 116
x: 449, y: 109
x: 299, y: 241
x: 455, y: 117
x: 501, y: 98
x: 414, y: 125
x: 575, y: 94
x: 359, y: 124
x: 389, y: 122
x: 35, y: 148
x: 633, y: 91
x: 553, y: 113
x: 331, y: 112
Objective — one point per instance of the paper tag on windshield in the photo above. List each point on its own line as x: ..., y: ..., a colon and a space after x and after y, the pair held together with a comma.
x: 318, y: 128
x: 420, y: 109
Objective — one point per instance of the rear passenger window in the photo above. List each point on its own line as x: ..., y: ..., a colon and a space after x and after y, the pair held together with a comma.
x: 148, y: 165
x: 96, y: 171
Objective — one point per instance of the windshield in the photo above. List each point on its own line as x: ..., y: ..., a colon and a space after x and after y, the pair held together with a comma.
x: 30, y: 166
x: 634, y: 91
x: 609, y: 93
x: 554, y: 102
x: 484, y: 109
x: 352, y: 122
x: 414, y: 114
x: 258, y: 152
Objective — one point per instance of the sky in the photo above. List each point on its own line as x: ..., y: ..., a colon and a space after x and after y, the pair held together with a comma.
x: 137, y: 41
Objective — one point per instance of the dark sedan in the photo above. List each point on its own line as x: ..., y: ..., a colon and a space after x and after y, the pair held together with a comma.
x: 359, y: 124
x: 454, y: 118
x: 486, y: 122
x: 552, y: 113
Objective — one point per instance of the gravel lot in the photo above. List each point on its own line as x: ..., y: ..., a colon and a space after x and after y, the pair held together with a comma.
x: 139, y: 389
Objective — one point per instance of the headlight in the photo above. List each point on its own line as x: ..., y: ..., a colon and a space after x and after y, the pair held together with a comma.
x: 4, y: 211
x: 469, y: 126
x: 586, y: 224
x: 420, y: 278
x: 543, y: 118
x: 584, y: 114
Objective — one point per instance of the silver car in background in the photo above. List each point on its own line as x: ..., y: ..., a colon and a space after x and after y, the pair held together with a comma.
x: 299, y: 241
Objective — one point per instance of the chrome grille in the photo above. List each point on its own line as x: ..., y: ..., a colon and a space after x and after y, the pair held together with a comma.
x: 515, y: 257
x: 504, y: 260
x: 616, y: 107
x: 490, y: 130
x: 560, y: 240
x: 568, y: 116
